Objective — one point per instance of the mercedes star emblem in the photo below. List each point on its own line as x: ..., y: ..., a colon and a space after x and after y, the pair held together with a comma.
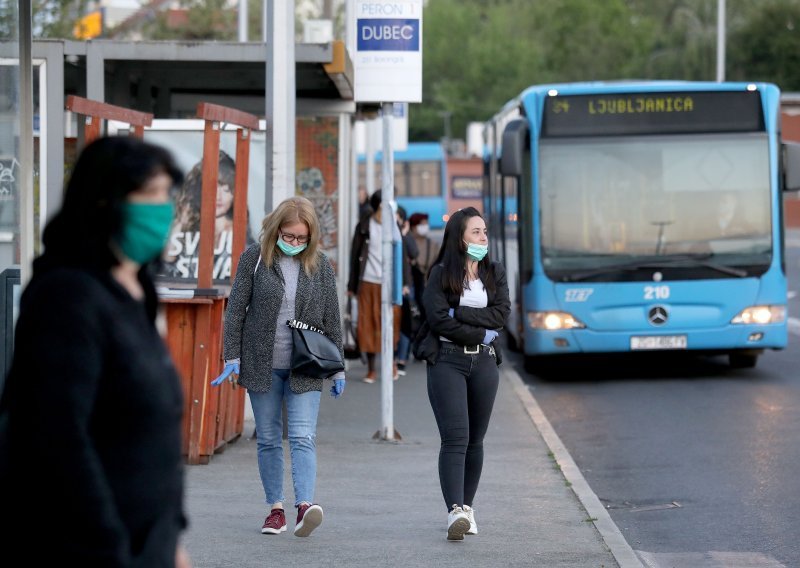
x: 657, y: 315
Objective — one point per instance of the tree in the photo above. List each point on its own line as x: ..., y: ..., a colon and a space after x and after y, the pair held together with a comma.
x: 466, y: 68
x: 479, y: 54
x: 201, y: 20
x: 767, y: 46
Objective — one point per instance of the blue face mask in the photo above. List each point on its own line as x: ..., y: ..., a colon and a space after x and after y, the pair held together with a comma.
x: 290, y: 250
x: 477, y: 252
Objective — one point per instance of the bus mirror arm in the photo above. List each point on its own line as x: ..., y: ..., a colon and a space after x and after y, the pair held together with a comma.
x: 515, y: 136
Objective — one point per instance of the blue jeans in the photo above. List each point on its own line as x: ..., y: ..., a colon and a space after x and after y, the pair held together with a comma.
x: 302, y: 412
x: 403, y: 347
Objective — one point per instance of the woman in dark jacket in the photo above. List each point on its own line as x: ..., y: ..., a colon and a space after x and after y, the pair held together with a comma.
x: 92, y: 400
x: 466, y: 303
x: 283, y: 277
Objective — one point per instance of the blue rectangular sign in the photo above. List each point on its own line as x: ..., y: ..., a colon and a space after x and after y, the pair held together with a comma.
x: 388, y: 35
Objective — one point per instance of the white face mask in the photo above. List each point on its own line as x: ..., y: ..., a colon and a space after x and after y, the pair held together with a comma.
x: 422, y: 230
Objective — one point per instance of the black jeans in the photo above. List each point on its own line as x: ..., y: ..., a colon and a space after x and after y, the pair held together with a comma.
x: 462, y: 388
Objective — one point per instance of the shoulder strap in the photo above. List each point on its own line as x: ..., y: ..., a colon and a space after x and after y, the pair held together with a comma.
x: 257, y: 263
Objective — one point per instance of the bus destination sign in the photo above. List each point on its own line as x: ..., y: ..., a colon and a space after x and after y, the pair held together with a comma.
x: 652, y: 113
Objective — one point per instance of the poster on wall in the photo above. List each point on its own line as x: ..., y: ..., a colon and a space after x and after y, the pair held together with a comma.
x: 316, y: 178
x: 184, y: 139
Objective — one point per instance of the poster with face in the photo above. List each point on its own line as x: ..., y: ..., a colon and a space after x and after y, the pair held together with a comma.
x: 181, y: 257
x: 316, y: 177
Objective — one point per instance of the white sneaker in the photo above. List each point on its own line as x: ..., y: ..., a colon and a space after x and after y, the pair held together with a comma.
x: 457, y: 523
x: 473, y: 528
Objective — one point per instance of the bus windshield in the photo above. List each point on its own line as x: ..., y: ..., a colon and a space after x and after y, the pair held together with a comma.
x: 695, y: 204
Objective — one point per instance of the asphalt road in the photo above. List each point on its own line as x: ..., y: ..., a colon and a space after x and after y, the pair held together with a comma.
x: 697, y: 463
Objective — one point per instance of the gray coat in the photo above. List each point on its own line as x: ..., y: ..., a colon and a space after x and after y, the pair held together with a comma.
x: 252, y: 313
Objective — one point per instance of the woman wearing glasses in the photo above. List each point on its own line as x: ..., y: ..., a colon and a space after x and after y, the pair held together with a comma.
x: 283, y: 277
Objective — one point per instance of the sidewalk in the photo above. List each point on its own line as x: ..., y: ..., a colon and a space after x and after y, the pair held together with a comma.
x: 382, y: 502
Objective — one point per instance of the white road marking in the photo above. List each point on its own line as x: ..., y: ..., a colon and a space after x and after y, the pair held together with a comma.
x: 794, y: 325
x: 619, y: 547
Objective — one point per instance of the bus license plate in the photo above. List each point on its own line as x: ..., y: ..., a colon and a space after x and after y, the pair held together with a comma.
x: 658, y: 342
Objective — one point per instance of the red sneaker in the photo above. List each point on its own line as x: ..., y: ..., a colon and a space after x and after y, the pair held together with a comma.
x: 275, y: 522
x: 309, y: 517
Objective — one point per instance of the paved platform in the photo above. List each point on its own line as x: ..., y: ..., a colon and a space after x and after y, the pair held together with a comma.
x: 382, y: 501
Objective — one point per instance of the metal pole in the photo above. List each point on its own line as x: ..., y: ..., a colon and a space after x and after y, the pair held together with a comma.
x: 264, y: 20
x: 387, y: 316
x: 369, y: 156
x: 280, y: 102
x: 720, y: 41
x: 25, y: 140
x: 243, y: 20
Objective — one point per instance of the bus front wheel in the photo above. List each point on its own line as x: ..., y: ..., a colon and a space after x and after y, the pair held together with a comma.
x: 745, y: 360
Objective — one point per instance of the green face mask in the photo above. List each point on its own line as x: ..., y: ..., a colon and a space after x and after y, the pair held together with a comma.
x: 290, y: 250
x: 145, y: 229
x: 476, y: 252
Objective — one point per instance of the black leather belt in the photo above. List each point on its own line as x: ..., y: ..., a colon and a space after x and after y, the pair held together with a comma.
x: 466, y: 349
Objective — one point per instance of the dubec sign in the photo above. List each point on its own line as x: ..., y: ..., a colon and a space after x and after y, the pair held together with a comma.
x: 388, y: 51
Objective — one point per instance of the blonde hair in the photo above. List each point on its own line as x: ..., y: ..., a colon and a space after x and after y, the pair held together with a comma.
x: 290, y: 211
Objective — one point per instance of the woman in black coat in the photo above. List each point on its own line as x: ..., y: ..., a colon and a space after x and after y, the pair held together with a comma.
x: 93, y: 404
x: 466, y: 304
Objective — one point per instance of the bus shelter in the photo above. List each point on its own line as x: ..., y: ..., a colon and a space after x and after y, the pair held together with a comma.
x: 168, y: 81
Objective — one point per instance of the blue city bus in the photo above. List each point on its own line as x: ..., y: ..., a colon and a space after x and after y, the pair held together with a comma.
x: 641, y: 216
x: 420, y: 174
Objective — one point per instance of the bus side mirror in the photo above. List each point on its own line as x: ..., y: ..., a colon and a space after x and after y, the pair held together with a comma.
x: 791, y: 166
x: 513, y: 149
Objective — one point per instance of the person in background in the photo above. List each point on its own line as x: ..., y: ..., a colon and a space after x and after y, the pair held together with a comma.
x: 428, y: 250
x: 93, y: 403
x: 364, y: 208
x: 285, y: 276
x: 410, y: 253
x: 364, y: 282
x: 466, y: 304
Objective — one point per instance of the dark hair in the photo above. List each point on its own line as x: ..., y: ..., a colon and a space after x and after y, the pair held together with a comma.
x: 107, y: 170
x: 453, y: 255
x: 189, y: 196
x: 401, y: 212
x: 417, y: 218
x: 375, y: 200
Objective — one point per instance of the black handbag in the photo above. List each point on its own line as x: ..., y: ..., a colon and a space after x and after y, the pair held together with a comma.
x: 314, y: 354
x: 351, y: 349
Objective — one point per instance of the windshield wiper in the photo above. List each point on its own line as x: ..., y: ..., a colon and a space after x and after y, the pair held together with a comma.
x: 659, y: 262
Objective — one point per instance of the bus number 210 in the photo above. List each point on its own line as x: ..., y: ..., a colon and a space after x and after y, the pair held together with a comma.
x: 656, y: 292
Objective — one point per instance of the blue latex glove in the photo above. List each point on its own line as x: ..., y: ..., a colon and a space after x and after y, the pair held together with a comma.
x: 338, y: 388
x: 230, y: 368
x: 490, y: 336
x: 451, y: 312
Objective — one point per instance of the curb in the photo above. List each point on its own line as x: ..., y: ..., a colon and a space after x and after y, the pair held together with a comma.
x: 609, y: 532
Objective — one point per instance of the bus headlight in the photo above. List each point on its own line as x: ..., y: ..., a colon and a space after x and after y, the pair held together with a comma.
x: 554, y: 320
x: 761, y: 315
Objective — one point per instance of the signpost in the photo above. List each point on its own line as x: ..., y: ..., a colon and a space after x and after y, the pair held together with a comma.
x: 388, y: 68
